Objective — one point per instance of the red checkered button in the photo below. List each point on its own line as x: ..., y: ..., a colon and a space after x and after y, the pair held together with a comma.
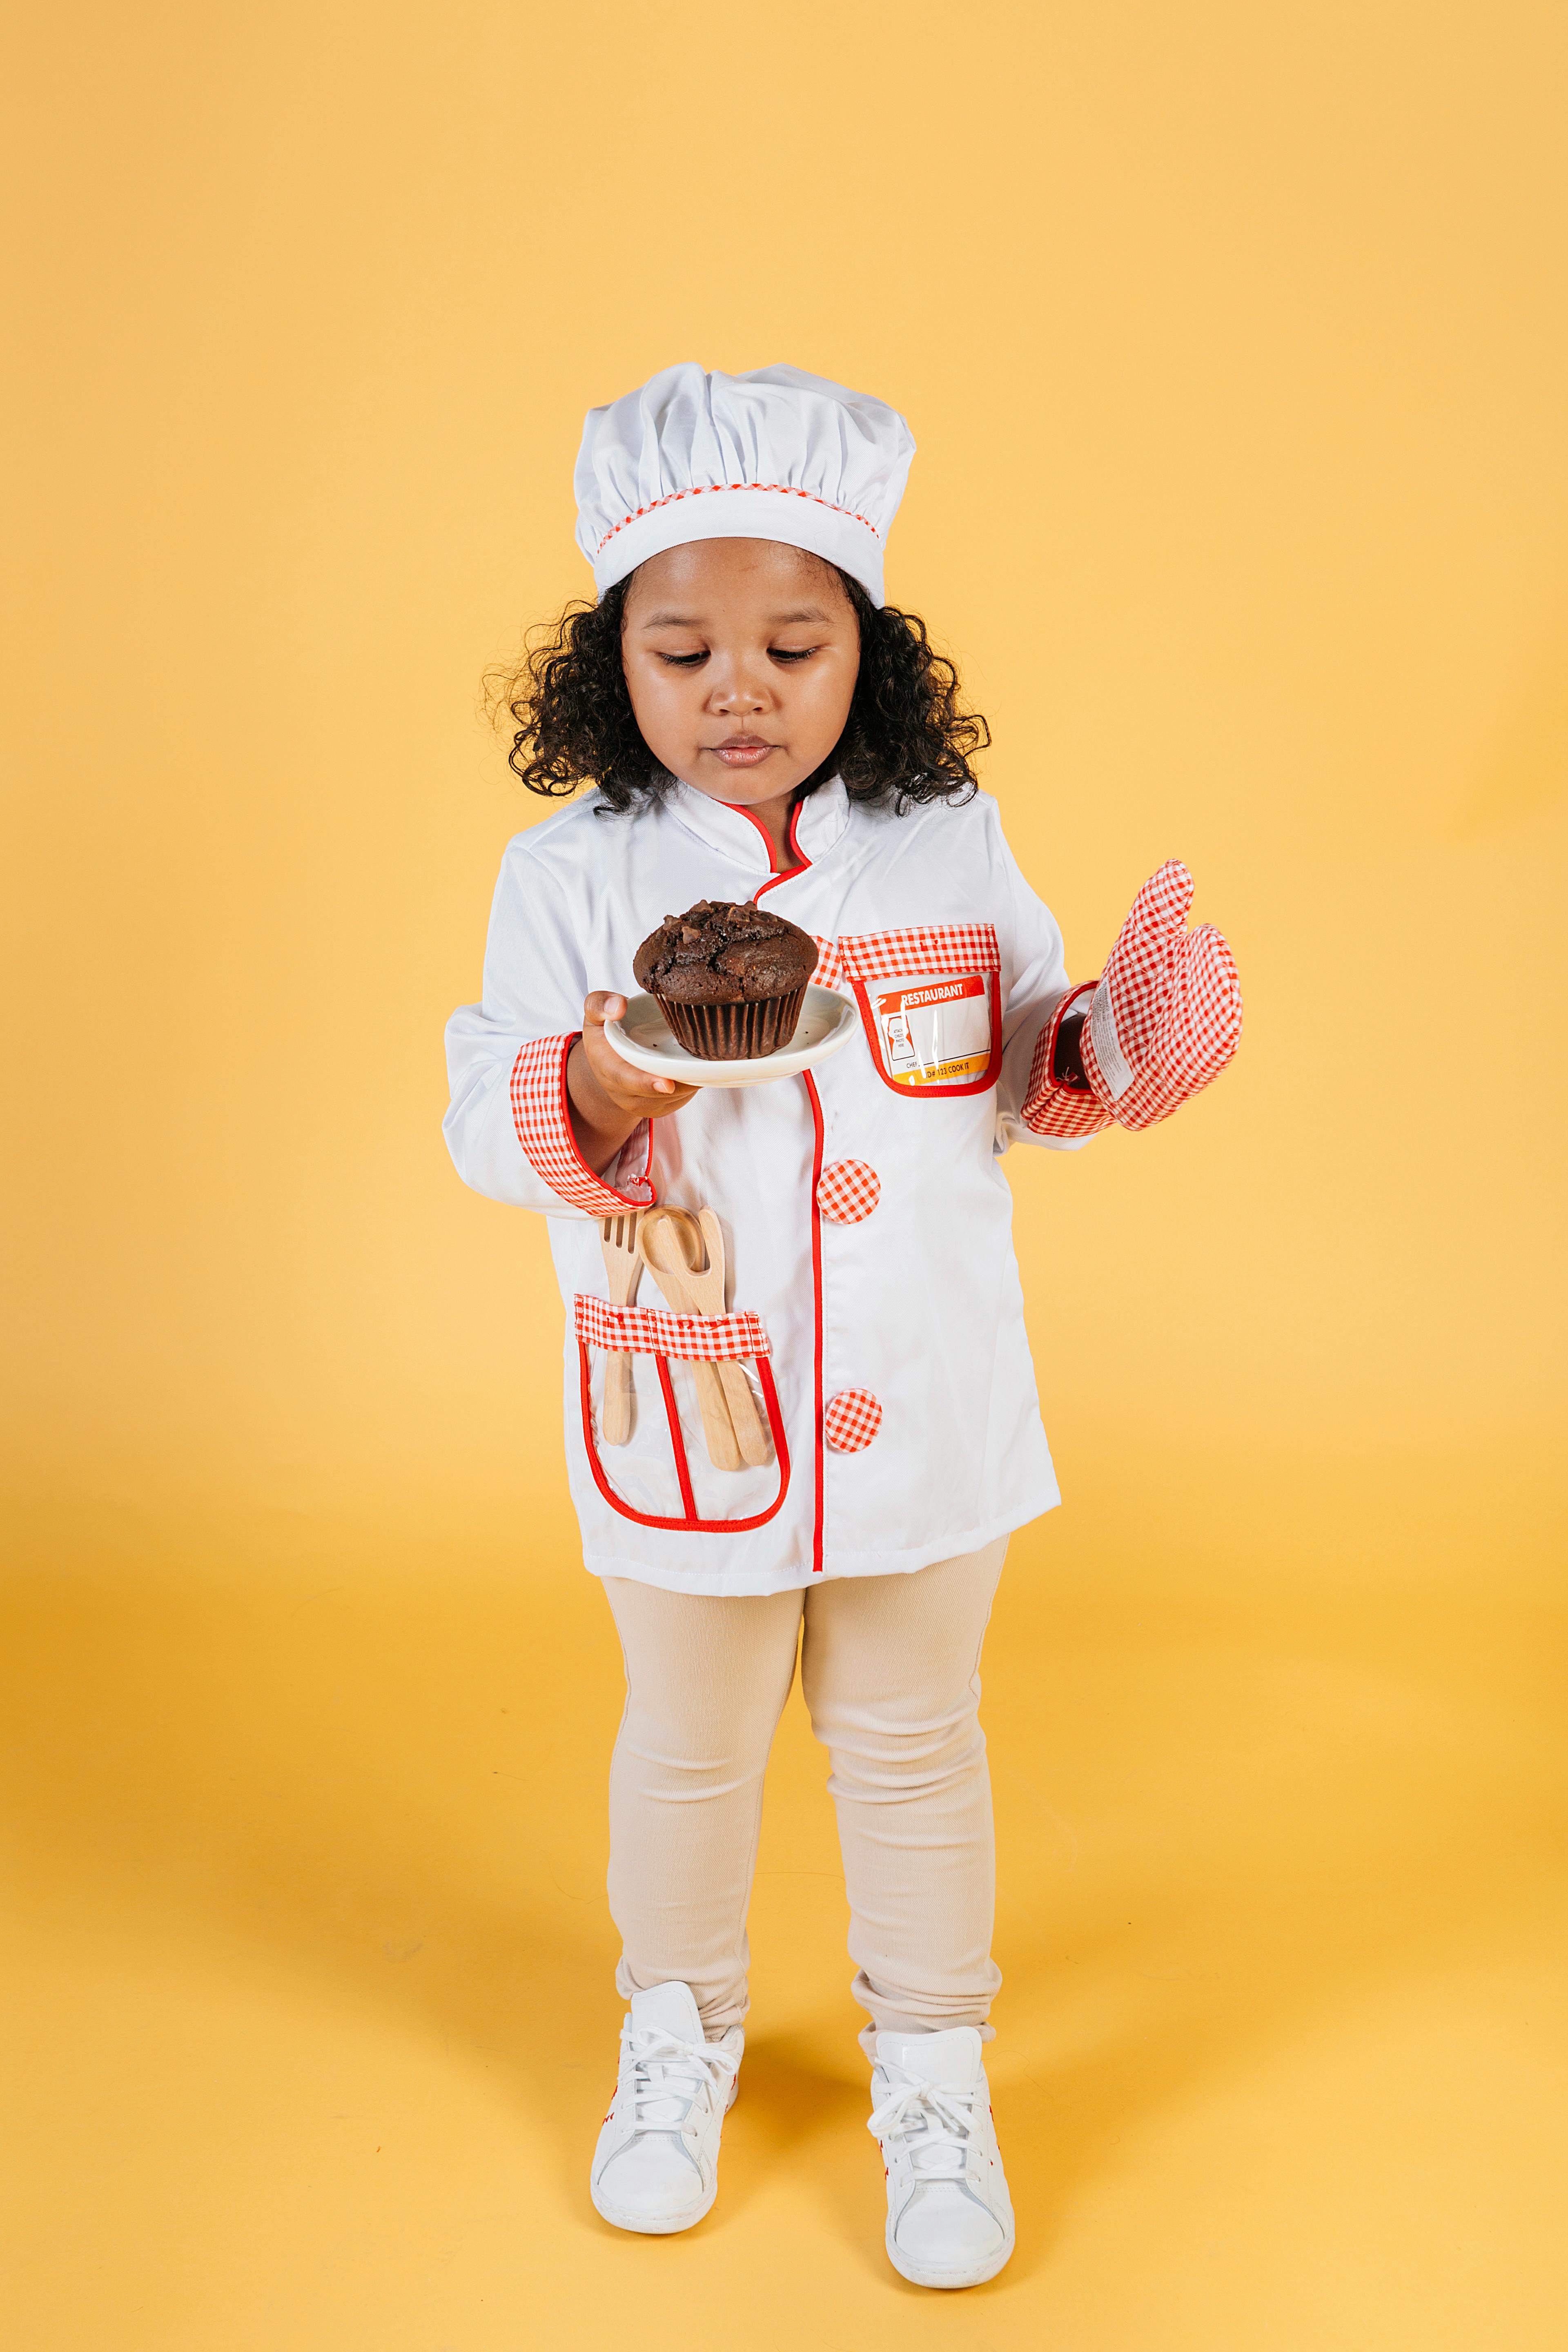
x: 848, y: 1192
x: 851, y: 1420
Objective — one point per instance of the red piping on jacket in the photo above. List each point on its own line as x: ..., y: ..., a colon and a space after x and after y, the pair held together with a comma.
x: 818, y: 1458
x: 690, y: 1523
x: 817, y: 1313
x: 682, y: 1469
x: 801, y: 859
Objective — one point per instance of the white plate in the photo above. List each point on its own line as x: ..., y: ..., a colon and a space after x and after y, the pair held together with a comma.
x: 644, y: 1037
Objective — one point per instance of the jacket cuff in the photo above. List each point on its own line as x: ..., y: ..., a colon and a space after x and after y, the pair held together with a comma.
x: 543, y: 1124
x: 1060, y: 1112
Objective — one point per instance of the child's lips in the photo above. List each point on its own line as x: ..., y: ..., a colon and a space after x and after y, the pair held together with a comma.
x: 742, y: 754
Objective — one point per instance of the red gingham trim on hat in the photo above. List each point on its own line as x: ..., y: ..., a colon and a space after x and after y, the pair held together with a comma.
x: 851, y: 1420
x: 848, y: 1192
x: 785, y: 490
x: 647, y: 1331
x: 928, y: 948
x: 544, y: 1130
x: 1062, y: 1112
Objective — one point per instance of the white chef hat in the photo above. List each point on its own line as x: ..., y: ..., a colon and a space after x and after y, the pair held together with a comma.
x: 774, y: 453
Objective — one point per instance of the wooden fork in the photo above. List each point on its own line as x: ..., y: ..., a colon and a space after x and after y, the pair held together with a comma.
x: 623, y: 1272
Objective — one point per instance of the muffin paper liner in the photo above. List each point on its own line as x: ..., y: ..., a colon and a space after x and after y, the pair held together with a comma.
x: 735, y: 1033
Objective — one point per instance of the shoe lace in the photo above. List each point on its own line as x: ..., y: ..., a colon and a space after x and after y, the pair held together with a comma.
x: 669, y: 2076
x: 934, y: 2121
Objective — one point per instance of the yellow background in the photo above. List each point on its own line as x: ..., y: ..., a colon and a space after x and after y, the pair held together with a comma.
x: 1232, y: 337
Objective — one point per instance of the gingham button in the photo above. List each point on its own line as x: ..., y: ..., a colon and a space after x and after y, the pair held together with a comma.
x: 851, y: 1420
x: 848, y: 1192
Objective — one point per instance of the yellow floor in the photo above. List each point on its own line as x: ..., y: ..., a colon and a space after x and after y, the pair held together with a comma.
x: 310, y: 1939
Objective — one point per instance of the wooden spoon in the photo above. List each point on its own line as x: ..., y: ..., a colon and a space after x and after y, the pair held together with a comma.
x: 659, y: 1246
x: 704, y: 1285
x: 708, y: 1289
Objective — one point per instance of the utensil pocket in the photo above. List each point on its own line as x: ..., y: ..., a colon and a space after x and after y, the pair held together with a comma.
x: 666, y: 1481
x: 931, y: 1005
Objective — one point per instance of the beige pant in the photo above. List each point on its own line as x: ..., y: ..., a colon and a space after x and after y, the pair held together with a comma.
x: 890, y: 1673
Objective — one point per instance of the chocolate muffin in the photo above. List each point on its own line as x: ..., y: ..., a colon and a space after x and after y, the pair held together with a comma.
x: 731, y: 980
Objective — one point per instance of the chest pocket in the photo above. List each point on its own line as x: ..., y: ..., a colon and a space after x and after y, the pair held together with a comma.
x: 931, y: 1005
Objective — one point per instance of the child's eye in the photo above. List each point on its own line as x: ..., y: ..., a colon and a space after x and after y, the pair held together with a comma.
x: 791, y: 654
x: 683, y: 661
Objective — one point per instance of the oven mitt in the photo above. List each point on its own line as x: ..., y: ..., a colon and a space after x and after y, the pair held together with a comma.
x: 1165, y: 1017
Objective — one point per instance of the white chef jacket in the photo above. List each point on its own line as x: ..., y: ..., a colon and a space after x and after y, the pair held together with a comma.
x: 874, y: 1295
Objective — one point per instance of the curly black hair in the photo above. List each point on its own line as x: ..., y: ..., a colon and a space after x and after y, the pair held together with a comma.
x: 907, y: 738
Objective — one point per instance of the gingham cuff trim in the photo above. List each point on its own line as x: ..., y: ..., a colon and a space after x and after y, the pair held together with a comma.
x: 544, y: 1130
x: 647, y: 1331
x: 1060, y: 1112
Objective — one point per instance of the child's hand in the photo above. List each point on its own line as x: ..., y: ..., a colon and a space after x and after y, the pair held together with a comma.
x: 609, y: 1096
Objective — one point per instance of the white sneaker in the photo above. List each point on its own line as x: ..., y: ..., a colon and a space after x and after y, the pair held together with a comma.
x: 950, y: 2218
x: 656, y: 2168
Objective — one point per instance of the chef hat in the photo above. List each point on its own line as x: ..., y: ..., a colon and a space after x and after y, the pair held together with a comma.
x: 774, y: 453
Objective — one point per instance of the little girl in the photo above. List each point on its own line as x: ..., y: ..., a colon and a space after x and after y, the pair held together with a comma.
x: 754, y: 718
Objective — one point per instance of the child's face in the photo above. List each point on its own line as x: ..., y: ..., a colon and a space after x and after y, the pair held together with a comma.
x: 741, y: 656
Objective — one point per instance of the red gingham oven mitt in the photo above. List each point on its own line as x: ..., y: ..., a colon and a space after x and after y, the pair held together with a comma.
x: 1166, y: 1015
x: 1163, y: 1019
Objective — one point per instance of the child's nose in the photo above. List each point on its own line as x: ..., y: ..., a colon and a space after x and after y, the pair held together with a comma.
x: 739, y: 691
